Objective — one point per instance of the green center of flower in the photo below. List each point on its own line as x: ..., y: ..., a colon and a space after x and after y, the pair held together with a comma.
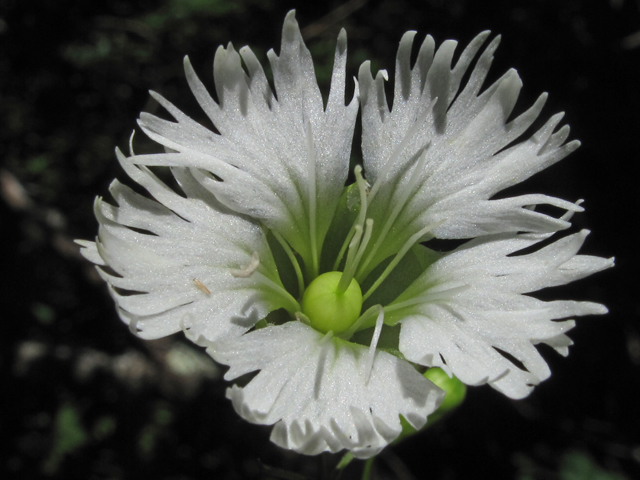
x: 333, y: 301
x: 327, y: 308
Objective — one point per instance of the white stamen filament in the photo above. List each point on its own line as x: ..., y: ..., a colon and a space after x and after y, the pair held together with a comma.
x: 363, y: 244
x: 362, y: 188
x: 301, y: 317
x: 246, y: 272
x: 350, y: 266
x: 362, y: 320
x: 353, y: 247
x: 345, y: 245
x: 328, y: 336
x: 374, y: 345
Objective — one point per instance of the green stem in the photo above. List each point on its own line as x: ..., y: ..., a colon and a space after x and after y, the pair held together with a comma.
x: 368, y: 466
x: 346, y: 460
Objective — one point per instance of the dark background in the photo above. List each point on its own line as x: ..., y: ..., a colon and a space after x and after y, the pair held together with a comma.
x: 83, y: 398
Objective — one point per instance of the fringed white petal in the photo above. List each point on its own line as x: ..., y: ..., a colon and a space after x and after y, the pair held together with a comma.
x: 314, y: 390
x: 168, y: 261
x: 278, y: 156
x: 477, y: 331
x: 90, y: 252
x: 466, y: 134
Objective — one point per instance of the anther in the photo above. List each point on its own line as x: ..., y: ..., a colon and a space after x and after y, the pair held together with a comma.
x: 246, y: 272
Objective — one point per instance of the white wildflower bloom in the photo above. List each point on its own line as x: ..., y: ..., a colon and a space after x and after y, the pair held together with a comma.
x: 326, y: 293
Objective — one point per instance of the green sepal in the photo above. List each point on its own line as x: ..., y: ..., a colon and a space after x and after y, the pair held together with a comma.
x: 455, y: 392
x: 261, y: 324
x: 414, y: 263
x: 275, y: 317
x: 344, y: 218
x: 286, y: 272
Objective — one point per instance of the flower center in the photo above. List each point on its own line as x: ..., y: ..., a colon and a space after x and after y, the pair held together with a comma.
x: 327, y: 308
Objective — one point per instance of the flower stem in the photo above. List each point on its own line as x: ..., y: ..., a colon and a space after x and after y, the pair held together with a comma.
x: 368, y: 466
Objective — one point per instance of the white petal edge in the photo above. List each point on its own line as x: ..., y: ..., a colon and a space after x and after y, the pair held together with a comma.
x: 169, y: 261
x: 314, y: 390
x: 466, y: 333
x: 466, y: 133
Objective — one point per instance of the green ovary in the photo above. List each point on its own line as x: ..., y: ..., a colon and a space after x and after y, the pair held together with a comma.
x: 329, y: 310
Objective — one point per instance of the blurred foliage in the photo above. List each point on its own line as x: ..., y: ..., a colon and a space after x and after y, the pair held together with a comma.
x: 176, y: 10
x: 580, y: 466
x: 68, y: 436
x: 574, y: 465
x: 150, y: 435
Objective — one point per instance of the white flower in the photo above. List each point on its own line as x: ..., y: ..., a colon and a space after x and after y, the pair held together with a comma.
x: 326, y: 292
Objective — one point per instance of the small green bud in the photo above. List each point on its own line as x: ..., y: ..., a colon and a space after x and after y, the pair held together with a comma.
x: 328, y: 310
x: 455, y: 391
